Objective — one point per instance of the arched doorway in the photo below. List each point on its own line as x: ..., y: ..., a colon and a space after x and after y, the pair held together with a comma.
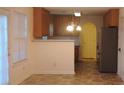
x: 88, y: 41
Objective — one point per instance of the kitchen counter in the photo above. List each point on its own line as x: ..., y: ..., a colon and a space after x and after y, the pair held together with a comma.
x: 56, y: 40
x: 53, y: 40
x: 53, y: 56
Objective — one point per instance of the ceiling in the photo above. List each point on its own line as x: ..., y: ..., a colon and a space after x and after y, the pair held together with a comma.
x: 83, y: 10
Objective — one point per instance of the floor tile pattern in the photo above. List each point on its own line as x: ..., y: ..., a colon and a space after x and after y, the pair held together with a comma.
x: 86, y: 74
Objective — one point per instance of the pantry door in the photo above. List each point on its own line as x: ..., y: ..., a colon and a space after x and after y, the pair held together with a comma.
x: 88, y: 41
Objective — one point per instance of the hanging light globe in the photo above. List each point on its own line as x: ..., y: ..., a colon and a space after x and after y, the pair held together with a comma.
x: 70, y: 28
x: 78, y: 28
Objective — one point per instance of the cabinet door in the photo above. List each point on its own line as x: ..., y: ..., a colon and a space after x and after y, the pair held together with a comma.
x: 41, y: 22
x: 45, y: 22
x: 114, y: 17
x: 107, y: 20
x: 37, y: 22
x: 76, y: 53
x: 60, y: 24
x: 111, y: 18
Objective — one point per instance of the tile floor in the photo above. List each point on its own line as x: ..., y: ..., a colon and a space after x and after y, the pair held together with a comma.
x: 86, y: 74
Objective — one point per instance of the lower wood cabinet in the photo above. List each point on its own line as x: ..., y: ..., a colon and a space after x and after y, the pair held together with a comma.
x: 76, y: 53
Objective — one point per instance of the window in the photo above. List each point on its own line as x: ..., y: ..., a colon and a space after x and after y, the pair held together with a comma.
x: 19, y: 37
x: 4, y: 76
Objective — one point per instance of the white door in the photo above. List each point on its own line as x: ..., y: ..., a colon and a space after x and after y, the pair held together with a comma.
x: 4, y: 75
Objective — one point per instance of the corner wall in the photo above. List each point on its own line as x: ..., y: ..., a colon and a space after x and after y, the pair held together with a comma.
x: 121, y: 44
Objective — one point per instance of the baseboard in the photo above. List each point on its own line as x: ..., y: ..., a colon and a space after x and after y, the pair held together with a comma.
x: 120, y: 75
x: 18, y: 81
x: 55, y: 72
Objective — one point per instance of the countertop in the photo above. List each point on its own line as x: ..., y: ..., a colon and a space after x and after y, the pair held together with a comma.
x: 53, y: 40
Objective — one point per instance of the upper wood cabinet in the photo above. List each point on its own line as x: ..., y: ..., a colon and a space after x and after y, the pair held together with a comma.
x: 111, y: 18
x: 60, y: 24
x: 41, y: 22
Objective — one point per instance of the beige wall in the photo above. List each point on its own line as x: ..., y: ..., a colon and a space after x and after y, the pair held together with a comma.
x: 95, y: 19
x: 41, y: 52
x: 121, y: 44
x: 43, y: 57
x: 60, y: 23
x: 22, y: 70
x: 53, y: 57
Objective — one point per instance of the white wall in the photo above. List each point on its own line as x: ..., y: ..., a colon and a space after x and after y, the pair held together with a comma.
x: 22, y: 70
x: 121, y: 44
x: 53, y: 57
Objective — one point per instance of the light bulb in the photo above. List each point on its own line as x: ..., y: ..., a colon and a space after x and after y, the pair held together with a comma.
x: 78, y: 28
x: 70, y: 28
x: 77, y: 14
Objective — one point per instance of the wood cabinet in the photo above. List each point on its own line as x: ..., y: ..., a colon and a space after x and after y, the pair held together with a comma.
x: 60, y: 24
x: 76, y: 53
x: 111, y: 18
x: 41, y: 22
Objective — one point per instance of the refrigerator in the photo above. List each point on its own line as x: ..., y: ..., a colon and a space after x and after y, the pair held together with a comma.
x: 107, y: 50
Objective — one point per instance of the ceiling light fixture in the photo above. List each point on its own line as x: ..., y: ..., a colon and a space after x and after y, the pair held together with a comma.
x: 74, y: 24
x: 78, y: 28
x: 70, y: 28
x: 77, y: 14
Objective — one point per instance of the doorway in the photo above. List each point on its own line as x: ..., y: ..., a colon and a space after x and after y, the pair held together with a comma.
x: 88, y: 41
x: 4, y: 66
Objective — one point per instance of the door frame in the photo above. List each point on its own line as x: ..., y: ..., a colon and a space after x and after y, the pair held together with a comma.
x: 120, y: 47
